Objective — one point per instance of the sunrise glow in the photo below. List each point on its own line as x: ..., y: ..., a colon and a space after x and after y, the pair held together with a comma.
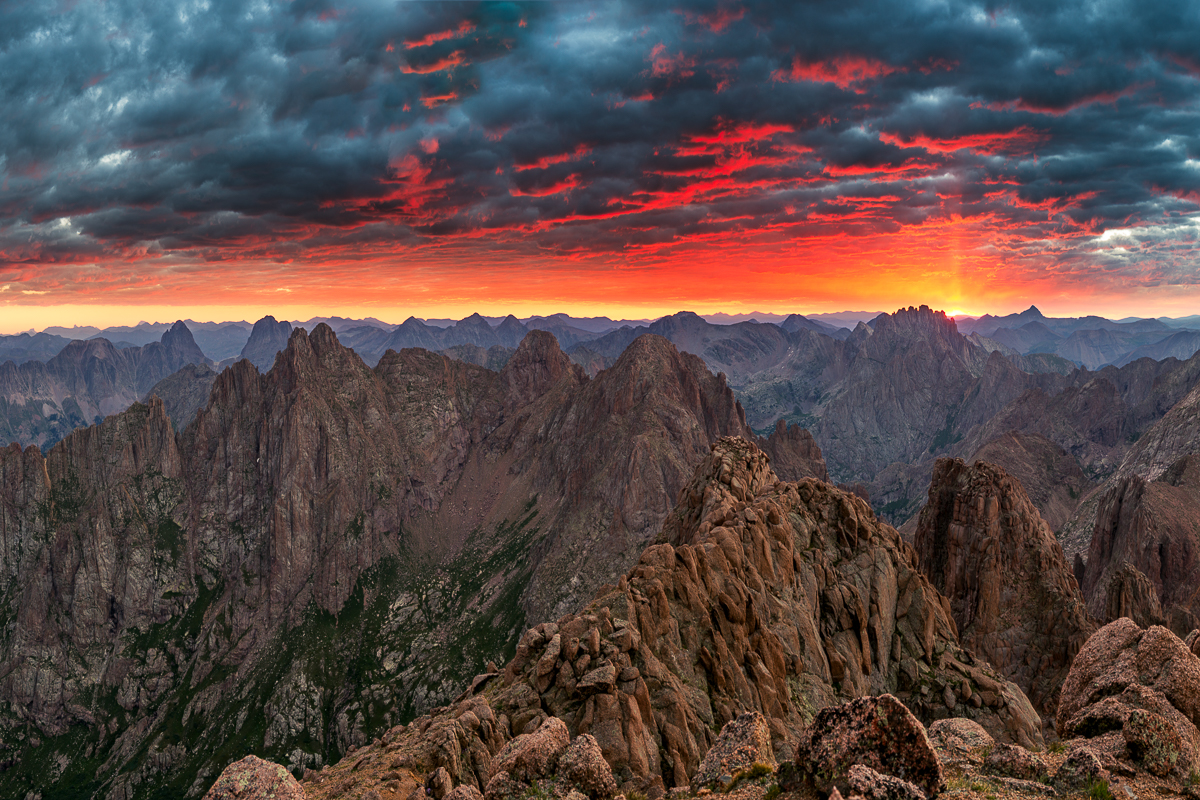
x: 436, y: 159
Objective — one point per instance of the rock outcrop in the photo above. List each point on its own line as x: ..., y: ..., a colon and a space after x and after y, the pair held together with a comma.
x: 1015, y: 601
x: 776, y: 598
x: 874, y: 732
x: 794, y: 453
x: 1049, y: 474
x: 744, y: 743
x: 255, y: 779
x: 1136, y: 693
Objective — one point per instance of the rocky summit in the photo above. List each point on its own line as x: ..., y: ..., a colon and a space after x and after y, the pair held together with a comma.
x: 751, y: 584
x: 765, y: 596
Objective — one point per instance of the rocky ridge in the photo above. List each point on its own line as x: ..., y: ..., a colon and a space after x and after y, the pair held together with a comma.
x: 777, y: 598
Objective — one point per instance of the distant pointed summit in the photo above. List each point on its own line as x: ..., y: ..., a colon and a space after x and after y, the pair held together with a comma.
x: 266, y: 339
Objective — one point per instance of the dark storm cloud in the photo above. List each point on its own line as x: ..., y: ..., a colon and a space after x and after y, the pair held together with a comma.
x: 229, y: 129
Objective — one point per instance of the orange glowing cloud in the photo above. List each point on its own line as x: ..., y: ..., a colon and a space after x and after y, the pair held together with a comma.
x: 433, y: 101
x: 547, y: 161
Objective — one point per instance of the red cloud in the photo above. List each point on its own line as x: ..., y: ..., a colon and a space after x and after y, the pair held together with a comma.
x: 546, y: 161
x: 1018, y: 140
x: 1021, y: 104
x: 843, y: 71
x: 715, y: 21
x: 462, y: 30
x: 673, y: 67
x: 436, y: 100
x: 451, y: 61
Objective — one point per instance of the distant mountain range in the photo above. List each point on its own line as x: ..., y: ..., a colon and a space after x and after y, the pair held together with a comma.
x: 882, y: 400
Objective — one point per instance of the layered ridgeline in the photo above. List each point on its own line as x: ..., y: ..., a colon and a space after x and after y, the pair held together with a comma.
x: 325, y: 550
x: 883, y: 401
x: 41, y: 402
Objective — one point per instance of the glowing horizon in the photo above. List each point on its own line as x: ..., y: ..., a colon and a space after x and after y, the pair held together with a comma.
x: 436, y: 159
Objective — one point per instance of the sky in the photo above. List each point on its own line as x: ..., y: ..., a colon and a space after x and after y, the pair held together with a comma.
x: 228, y: 158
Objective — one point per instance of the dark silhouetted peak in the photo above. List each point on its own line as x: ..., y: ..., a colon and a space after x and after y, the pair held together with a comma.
x: 181, y: 343
x: 267, y: 338
x: 681, y: 321
x: 912, y: 319
x: 537, y: 366
x: 984, y: 546
x: 474, y: 319
x: 323, y: 338
x: 510, y: 331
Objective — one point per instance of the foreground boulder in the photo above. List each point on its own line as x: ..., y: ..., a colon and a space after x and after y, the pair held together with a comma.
x: 959, y: 735
x: 744, y: 743
x: 255, y: 779
x: 546, y: 762
x: 875, y: 732
x: 1011, y: 761
x: 1137, y: 692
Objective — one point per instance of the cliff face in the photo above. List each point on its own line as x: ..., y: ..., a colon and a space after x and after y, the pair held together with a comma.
x: 40, y: 403
x: 1014, y: 598
x: 326, y: 550
x: 761, y: 596
x: 1144, y: 558
x: 912, y: 388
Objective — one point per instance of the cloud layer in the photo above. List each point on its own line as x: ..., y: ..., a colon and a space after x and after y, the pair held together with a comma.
x: 778, y: 150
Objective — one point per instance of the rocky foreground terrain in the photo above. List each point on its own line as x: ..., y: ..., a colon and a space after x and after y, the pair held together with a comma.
x: 726, y: 661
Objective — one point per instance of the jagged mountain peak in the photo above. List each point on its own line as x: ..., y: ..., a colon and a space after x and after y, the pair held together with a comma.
x: 474, y: 319
x: 538, y: 365
x: 267, y: 338
x: 178, y: 338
